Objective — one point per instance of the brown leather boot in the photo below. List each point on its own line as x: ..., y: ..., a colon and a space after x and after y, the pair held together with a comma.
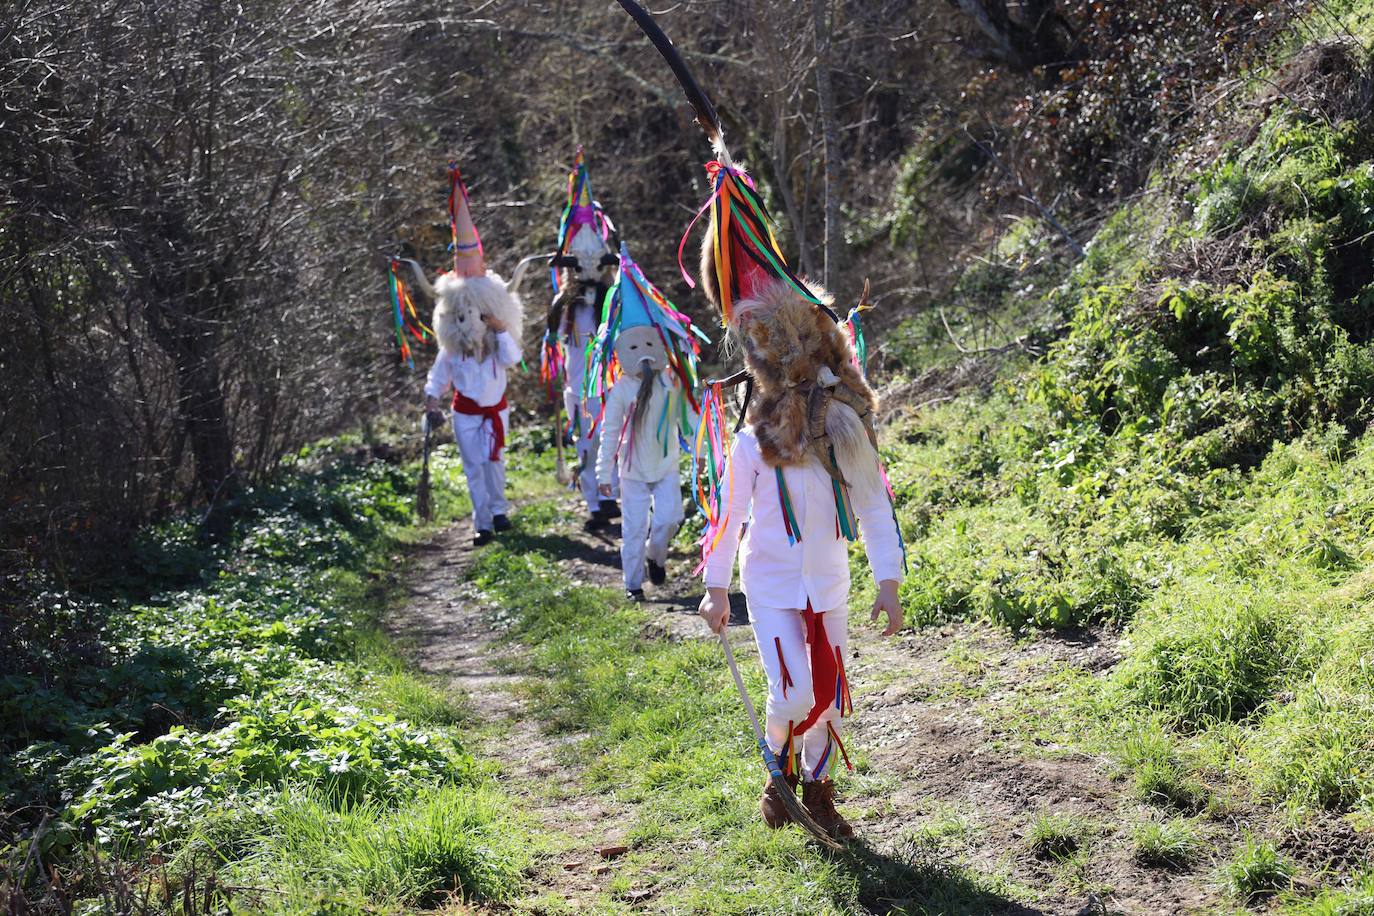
x: 819, y: 798
x: 774, y: 812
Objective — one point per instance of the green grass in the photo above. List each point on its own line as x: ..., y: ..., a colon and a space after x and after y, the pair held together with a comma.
x: 1256, y: 871
x: 1171, y: 844
x: 452, y: 840
x: 1056, y: 836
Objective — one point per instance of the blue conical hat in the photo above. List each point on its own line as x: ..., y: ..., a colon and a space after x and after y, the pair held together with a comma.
x: 635, y: 308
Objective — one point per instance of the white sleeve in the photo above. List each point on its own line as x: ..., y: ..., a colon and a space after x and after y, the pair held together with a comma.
x: 878, y: 527
x: 616, y: 407
x: 440, y: 377
x: 741, y: 472
x: 507, y: 349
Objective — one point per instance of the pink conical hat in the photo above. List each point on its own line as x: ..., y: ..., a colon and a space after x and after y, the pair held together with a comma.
x: 466, y: 244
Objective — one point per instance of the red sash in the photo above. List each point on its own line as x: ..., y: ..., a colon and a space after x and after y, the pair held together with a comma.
x: 465, y: 405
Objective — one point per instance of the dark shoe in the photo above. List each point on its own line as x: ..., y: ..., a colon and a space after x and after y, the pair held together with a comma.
x: 597, y: 521
x: 501, y: 523
x: 819, y: 798
x: 635, y: 594
x: 482, y: 538
x: 657, y: 574
x: 774, y: 812
x: 610, y: 509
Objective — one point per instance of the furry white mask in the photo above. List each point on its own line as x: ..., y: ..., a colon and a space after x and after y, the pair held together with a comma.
x: 459, y: 306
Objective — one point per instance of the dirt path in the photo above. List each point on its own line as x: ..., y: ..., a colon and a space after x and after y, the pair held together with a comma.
x: 948, y: 787
x: 448, y: 633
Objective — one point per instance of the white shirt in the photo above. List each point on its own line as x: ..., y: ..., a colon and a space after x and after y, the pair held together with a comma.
x: 481, y: 380
x: 652, y: 454
x: 777, y: 574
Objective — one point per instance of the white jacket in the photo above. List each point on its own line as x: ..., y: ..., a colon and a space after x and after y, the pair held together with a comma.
x: 482, y: 380
x: 777, y: 574
x: 649, y: 457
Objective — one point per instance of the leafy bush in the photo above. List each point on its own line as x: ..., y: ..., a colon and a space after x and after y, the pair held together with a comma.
x: 349, y: 755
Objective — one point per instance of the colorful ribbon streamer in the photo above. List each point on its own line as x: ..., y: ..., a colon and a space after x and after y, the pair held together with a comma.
x: 404, y: 314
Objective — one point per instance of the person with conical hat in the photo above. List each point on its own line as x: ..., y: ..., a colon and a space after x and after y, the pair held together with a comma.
x: 650, y: 349
x: 584, y: 270
x: 477, y: 322
x: 804, y: 474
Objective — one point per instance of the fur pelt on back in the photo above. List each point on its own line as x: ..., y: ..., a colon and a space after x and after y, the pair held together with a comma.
x: 459, y: 303
x: 787, y: 342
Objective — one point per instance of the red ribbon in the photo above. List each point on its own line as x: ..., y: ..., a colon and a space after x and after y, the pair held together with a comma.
x: 825, y: 670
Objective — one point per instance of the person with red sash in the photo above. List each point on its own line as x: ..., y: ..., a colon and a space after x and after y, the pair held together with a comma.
x: 477, y: 320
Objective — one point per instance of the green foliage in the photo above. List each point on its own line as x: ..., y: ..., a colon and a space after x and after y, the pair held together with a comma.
x: 1191, y: 460
x: 246, y: 695
x: 1256, y: 871
x: 348, y: 755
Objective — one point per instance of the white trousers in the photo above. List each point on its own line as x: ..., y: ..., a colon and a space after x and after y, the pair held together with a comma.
x: 486, y: 478
x: 781, y: 637
x: 650, y: 516
x: 587, y: 445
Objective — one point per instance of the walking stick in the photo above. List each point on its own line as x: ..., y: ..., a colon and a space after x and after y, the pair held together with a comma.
x: 770, y: 763
x: 561, y: 470
x: 423, y: 506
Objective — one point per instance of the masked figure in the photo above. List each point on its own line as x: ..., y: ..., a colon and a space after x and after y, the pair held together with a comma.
x: 651, y: 408
x: 585, y: 269
x: 477, y: 322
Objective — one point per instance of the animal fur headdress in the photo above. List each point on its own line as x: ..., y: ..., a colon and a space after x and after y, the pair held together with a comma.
x: 809, y: 398
x: 469, y: 291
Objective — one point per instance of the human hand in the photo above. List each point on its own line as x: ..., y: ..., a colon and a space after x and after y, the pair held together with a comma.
x: 605, y: 490
x: 715, y: 609
x: 496, y: 324
x: 887, y: 603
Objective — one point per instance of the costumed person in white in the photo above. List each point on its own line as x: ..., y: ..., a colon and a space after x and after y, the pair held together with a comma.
x: 804, y: 474
x: 477, y: 320
x: 584, y: 271
x: 650, y: 408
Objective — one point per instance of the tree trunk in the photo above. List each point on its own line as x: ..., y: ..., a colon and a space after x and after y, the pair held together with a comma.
x: 830, y: 140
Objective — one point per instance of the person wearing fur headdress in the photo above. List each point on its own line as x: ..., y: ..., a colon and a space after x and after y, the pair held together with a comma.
x: 805, y: 474
x: 477, y: 322
x: 584, y: 272
x: 650, y: 409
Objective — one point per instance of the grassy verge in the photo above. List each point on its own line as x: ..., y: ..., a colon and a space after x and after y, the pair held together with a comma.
x: 231, y: 723
x: 1191, y: 462
x: 664, y: 730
